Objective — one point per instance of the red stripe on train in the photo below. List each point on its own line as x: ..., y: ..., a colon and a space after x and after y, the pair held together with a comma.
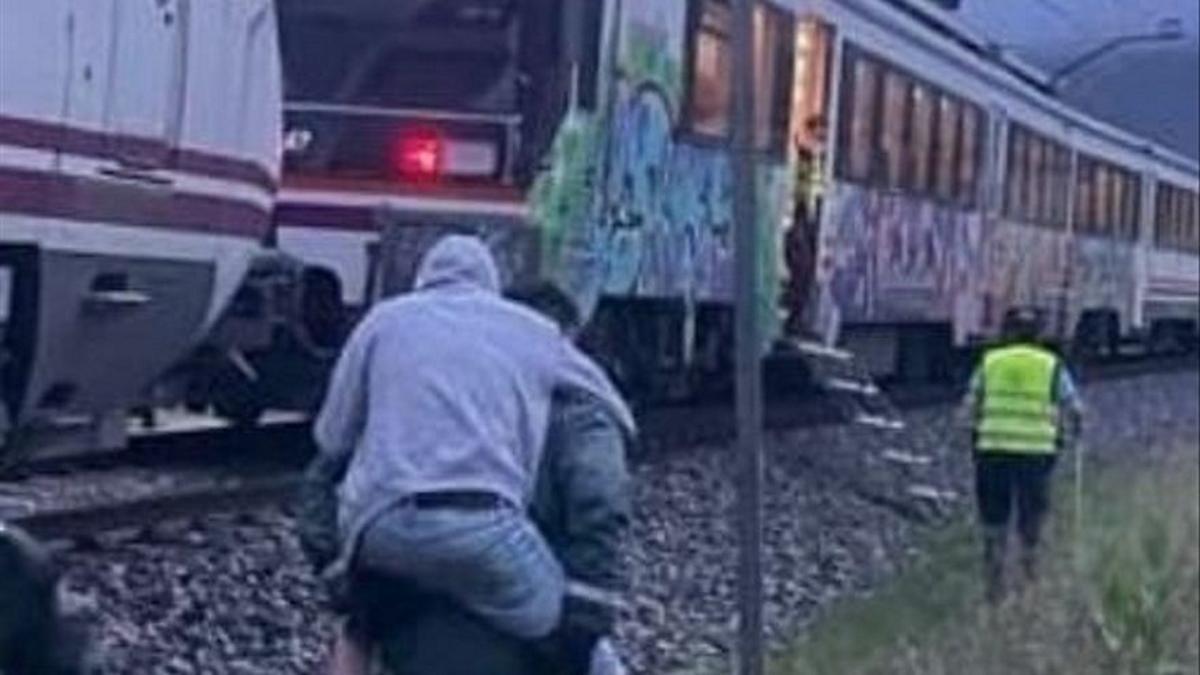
x: 38, y: 135
x: 89, y: 200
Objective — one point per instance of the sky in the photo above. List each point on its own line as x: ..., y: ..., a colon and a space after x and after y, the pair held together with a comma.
x: 1152, y: 89
x: 1051, y: 32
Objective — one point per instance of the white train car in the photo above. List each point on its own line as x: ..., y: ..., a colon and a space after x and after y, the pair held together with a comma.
x: 1169, y: 268
x: 139, y: 153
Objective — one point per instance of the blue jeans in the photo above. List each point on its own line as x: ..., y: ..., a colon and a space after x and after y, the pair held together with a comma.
x: 493, y: 562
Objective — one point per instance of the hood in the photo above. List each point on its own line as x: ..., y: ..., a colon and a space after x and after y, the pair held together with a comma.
x: 458, y: 260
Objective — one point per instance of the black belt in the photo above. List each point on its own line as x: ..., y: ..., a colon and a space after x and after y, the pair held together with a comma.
x: 466, y: 500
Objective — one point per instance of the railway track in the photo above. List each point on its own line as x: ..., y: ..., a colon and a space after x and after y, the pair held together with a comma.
x: 263, y: 469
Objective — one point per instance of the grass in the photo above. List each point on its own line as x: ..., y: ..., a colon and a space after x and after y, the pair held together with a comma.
x: 1125, y: 601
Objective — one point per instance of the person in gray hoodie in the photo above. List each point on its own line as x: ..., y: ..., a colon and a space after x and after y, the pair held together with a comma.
x: 438, y: 408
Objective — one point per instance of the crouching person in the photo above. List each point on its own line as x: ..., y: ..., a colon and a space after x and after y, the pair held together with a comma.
x: 582, y: 508
x: 434, y: 423
x: 37, y: 636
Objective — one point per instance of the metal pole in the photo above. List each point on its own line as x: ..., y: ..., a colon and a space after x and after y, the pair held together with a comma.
x: 748, y: 347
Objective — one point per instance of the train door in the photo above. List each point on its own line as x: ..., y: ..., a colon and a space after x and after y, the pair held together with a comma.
x: 144, y: 103
x: 809, y: 141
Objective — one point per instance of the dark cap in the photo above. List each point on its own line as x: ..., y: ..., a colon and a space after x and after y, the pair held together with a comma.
x: 1023, y: 323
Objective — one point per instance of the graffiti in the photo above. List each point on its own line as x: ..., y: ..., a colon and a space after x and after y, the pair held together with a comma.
x: 652, y: 43
x: 1024, y: 266
x: 640, y: 151
x: 897, y: 258
x: 1104, y: 274
x: 630, y: 210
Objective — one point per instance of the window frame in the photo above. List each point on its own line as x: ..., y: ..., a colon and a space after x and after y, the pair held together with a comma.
x: 920, y: 160
x: 943, y: 160
x: 779, y: 99
x: 849, y: 142
x: 903, y: 121
x: 968, y: 184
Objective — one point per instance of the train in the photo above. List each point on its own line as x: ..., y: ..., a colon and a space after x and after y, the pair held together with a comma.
x: 914, y: 184
x: 139, y: 160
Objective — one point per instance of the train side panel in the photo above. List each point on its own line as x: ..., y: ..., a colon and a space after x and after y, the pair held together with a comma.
x: 133, y: 190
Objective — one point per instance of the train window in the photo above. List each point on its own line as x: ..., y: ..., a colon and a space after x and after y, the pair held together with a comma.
x: 968, y: 158
x: 1162, y: 214
x: 1016, y: 172
x: 1162, y: 210
x: 1099, y: 198
x: 1183, y: 226
x: 1084, y: 197
x: 1053, y: 184
x: 891, y: 132
x: 1119, y: 226
x: 814, y: 52
x: 1195, y: 211
x: 858, y: 118
x: 1134, y: 204
x: 1122, y: 197
x: 1025, y: 178
x: 1037, y: 180
x: 711, y: 63
x: 1180, y: 202
x: 1062, y: 191
x: 921, y: 139
x: 710, y: 97
x: 947, y: 146
x: 1053, y: 179
x: 1121, y: 202
x: 773, y: 44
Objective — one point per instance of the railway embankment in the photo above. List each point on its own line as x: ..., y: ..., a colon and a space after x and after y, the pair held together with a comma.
x: 848, y: 511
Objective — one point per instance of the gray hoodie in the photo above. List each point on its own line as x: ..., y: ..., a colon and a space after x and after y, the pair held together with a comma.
x: 447, y: 388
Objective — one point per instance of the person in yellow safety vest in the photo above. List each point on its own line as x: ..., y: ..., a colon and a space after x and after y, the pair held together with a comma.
x: 1023, y: 404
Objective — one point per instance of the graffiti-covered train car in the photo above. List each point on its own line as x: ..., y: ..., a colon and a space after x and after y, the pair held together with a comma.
x: 596, y: 128
x: 961, y: 188
x: 913, y: 186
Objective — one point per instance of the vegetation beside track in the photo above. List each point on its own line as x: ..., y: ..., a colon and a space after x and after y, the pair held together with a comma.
x: 1124, y: 601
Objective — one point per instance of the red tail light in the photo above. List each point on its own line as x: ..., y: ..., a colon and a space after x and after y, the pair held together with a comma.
x: 419, y: 154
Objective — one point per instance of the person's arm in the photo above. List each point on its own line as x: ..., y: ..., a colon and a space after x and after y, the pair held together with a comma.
x: 968, y: 410
x: 1069, y: 401
x: 583, y: 506
x: 578, y: 372
x: 336, y: 432
x: 593, y: 485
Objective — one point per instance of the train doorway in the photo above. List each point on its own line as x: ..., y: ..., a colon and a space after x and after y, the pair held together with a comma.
x: 810, y: 148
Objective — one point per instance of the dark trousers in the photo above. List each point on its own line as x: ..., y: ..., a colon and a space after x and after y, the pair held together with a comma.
x: 1007, y: 480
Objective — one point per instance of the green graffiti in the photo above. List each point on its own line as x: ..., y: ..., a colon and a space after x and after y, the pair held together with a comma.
x: 561, y: 198
x: 648, y: 61
x: 773, y: 199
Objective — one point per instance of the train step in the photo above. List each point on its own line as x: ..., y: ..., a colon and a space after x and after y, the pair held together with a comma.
x: 846, y: 380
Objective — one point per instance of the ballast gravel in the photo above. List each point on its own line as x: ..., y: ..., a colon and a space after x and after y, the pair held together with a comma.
x: 845, y: 508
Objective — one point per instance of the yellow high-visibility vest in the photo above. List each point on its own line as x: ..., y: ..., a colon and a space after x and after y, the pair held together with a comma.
x: 1019, y: 412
